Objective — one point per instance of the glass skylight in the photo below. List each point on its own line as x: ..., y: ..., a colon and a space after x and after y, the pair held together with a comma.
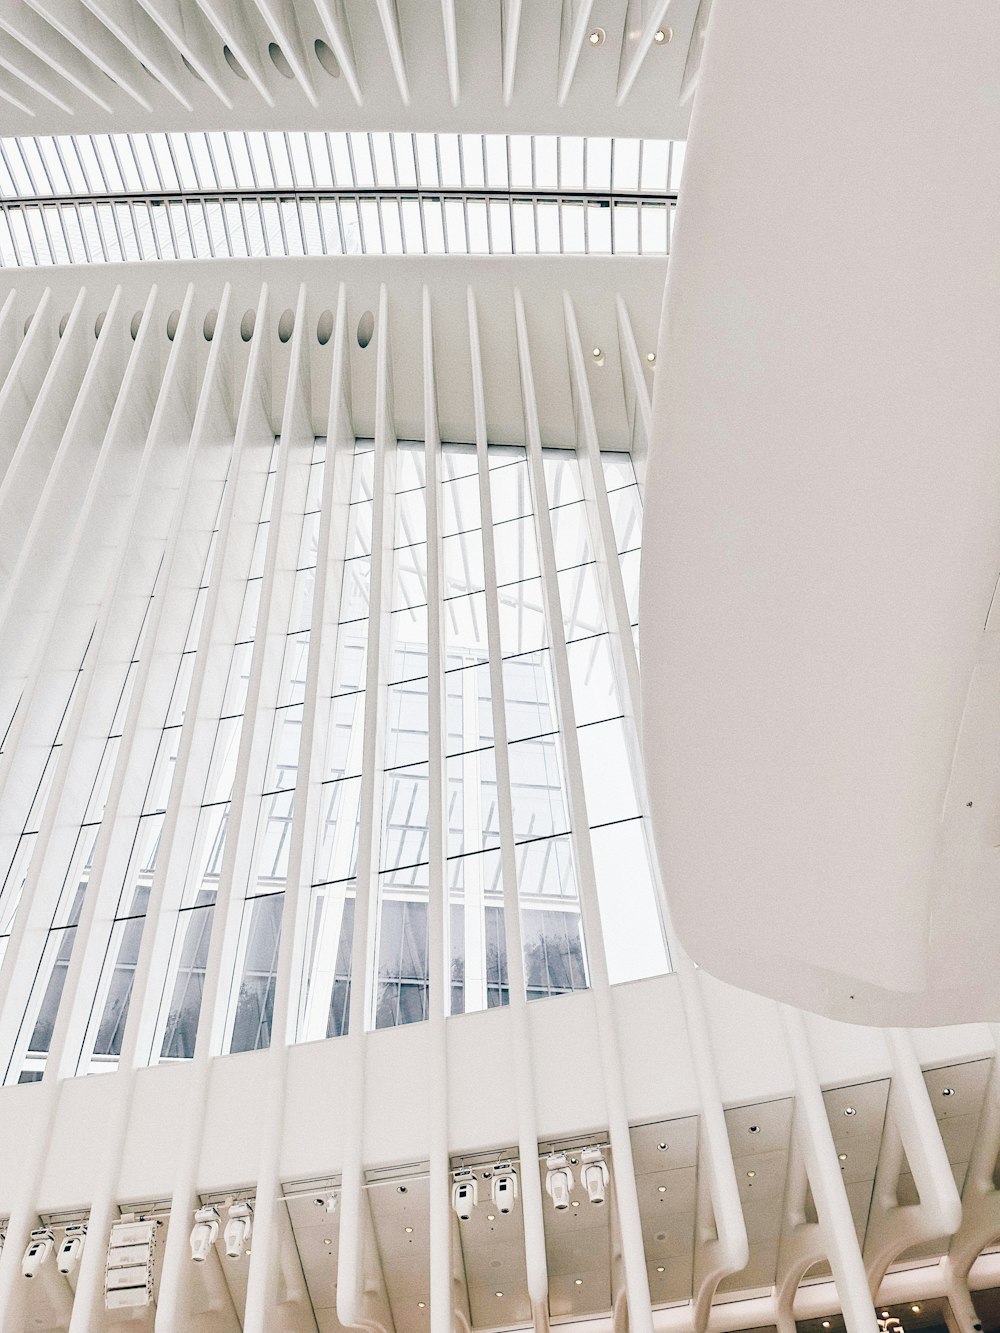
x: 108, y: 198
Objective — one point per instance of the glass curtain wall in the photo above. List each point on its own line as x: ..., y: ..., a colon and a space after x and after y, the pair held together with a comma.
x: 533, y: 803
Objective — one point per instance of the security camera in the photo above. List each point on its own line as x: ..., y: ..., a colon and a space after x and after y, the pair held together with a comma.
x: 39, y: 1248
x: 503, y: 1189
x: 238, y: 1228
x: 464, y: 1194
x: 68, y: 1255
x: 204, y: 1233
x: 594, y: 1174
x: 558, y: 1180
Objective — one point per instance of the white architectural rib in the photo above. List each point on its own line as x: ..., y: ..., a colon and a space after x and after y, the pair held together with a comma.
x: 85, y: 33
x: 438, y: 922
x: 641, y: 26
x: 389, y: 15
x: 575, y: 25
x: 51, y: 48
x: 140, y: 36
x: 636, y: 392
x: 626, y: 1192
x: 520, y: 1043
x: 450, y: 21
x: 237, y: 529
x: 355, y: 1217
x: 186, y: 31
x: 825, y: 1177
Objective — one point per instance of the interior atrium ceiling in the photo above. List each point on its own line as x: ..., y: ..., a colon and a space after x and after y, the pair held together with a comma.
x: 339, y: 986
x: 611, y: 67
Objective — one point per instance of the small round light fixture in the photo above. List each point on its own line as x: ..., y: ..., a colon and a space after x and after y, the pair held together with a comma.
x: 491, y: 1217
x: 400, y: 1189
x: 662, y: 35
x: 947, y: 1092
x: 754, y: 1129
x: 826, y: 1323
x: 915, y: 1309
x: 651, y: 358
x: 751, y: 1175
x: 576, y: 1203
x: 421, y: 1305
x: 850, y: 1110
x: 662, y: 1189
x: 885, y: 1314
x: 662, y: 1147
x: 596, y: 36
x: 842, y: 1156
x: 498, y: 1293
x: 408, y: 1230
x: 327, y: 1240
x: 659, y: 1268
x: 578, y: 1282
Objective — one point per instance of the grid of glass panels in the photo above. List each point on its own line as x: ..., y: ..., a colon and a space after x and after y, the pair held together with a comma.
x: 108, y: 198
x: 545, y: 843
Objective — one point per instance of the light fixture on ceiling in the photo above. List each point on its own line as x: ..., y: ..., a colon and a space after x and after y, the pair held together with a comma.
x: 408, y: 1230
x: 947, y: 1092
x: 915, y: 1309
x: 498, y: 1293
x: 850, y: 1110
x: 662, y: 1147
x: 491, y: 1217
x: 751, y: 1175
x: 662, y: 35
x: 596, y: 36
x: 578, y: 1282
x: 327, y: 1240
x: 71, y: 1249
x: 662, y: 1189
x: 464, y: 1194
x: 660, y: 1268
x: 651, y: 358
x: 558, y: 1180
x: 754, y: 1129
x: 842, y: 1156
x: 204, y: 1233
x: 421, y: 1305
x: 826, y: 1323
x: 594, y: 1174
x: 40, y: 1246
x: 503, y: 1187
x: 239, y: 1228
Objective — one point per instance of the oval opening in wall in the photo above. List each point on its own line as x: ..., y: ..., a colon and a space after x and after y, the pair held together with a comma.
x: 134, y: 326
x: 62, y: 324
x: 285, y: 325
x: 324, y: 328
x: 173, y: 319
x: 233, y: 63
x: 247, y: 325
x: 326, y: 58
x: 279, y: 60
x: 208, y: 328
x: 366, y: 328
x: 99, y: 323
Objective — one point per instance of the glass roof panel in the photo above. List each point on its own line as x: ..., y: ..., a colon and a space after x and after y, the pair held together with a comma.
x: 114, y: 197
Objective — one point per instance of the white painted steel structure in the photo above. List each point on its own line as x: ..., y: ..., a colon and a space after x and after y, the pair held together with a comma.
x: 302, y: 557
x: 762, y: 1178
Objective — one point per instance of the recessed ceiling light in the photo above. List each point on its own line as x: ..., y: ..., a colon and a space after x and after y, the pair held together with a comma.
x: 659, y: 1268
x: 885, y: 1314
x: 491, y: 1217
x: 842, y: 1156
x: 751, y: 1174
x: 662, y: 1189
x: 498, y: 1293
x: 755, y: 1129
x: 661, y: 1147
x: 576, y: 1203
x: 651, y: 358
x: 915, y: 1309
x: 850, y: 1110
x: 662, y: 35
x: 596, y: 36
x: 597, y: 353
x: 578, y: 1282
x: 947, y: 1092
x: 408, y: 1230
x: 421, y: 1305
x: 826, y: 1323
x: 327, y: 1240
